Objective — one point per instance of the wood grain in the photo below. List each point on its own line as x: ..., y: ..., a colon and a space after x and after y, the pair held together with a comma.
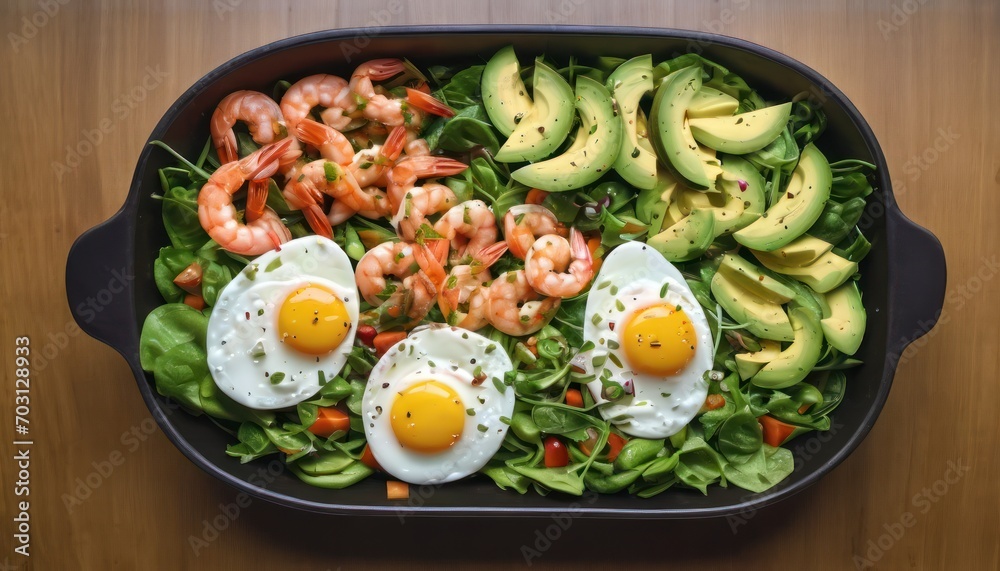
x: 923, y: 73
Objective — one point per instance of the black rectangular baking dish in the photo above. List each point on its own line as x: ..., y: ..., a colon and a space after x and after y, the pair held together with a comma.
x: 903, y: 277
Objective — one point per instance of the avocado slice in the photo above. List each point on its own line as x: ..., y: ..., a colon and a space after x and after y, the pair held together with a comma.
x: 671, y: 136
x: 798, y: 208
x: 630, y: 81
x: 798, y: 359
x: 587, y: 162
x: 651, y: 203
x: 687, y: 239
x: 734, y: 206
x: 749, y: 364
x: 823, y: 275
x: 504, y: 95
x: 844, y: 318
x: 710, y: 102
x: 743, y: 133
x: 802, y: 251
x: 750, y: 277
x: 764, y: 319
x: 540, y: 133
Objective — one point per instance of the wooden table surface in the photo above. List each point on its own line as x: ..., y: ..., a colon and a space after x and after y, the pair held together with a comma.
x: 924, y: 73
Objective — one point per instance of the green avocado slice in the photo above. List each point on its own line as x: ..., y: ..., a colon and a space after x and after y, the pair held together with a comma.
x: 669, y: 129
x: 630, y: 81
x: 844, y: 318
x: 743, y: 133
x: 540, y: 133
x: 504, y: 95
x: 763, y: 318
x: 798, y: 207
x: 588, y: 161
x: 799, y: 358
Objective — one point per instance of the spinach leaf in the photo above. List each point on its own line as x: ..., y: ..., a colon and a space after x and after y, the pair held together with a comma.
x: 768, y: 466
x: 349, y: 476
x: 837, y: 220
x: 638, y: 451
x: 168, y: 326
x: 711, y: 420
x: 610, y: 483
x: 214, y: 278
x: 698, y: 465
x: 569, y: 319
x: 167, y: 265
x: 180, y: 218
x: 566, y: 479
x: 556, y: 420
x: 468, y: 129
x: 506, y: 477
x: 463, y: 89
x: 740, y: 436
x: 321, y: 463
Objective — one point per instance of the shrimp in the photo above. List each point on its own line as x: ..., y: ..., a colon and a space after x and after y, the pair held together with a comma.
x: 408, y: 112
x: 330, y: 91
x: 367, y: 166
x: 409, y: 170
x: 218, y: 215
x: 386, y: 259
x: 260, y: 113
x: 309, y: 200
x: 471, y: 226
x: 327, y: 177
x: 547, y: 261
x: 524, y: 223
x: 463, y: 296
x: 417, y: 271
x: 417, y: 148
x: 419, y: 202
x: 515, y: 308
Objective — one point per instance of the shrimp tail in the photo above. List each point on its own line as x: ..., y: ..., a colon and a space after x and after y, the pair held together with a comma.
x: 265, y: 164
x: 490, y: 255
x: 318, y: 221
x: 428, y: 103
x: 312, y: 133
x: 433, y: 167
x: 427, y: 258
x: 382, y: 69
x: 578, y: 246
x: 256, y: 199
x: 393, y: 146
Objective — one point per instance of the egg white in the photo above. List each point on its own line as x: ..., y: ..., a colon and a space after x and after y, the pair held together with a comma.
x: 245, y: 317
x: 450, y: 356
x: 632, y: 278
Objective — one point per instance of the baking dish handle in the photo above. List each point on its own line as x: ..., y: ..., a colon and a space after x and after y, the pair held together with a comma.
x: 99, y: 278
x: 916, y: 281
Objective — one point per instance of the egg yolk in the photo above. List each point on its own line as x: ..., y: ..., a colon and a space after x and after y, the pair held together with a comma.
x: 313, y: 320
x: 428, y: 417
x: 659, y: 340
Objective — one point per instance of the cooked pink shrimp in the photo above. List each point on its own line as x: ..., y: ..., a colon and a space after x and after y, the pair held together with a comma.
x: 309, y: 200
x: 330, y: 91
x: 260, y: 113
x: 408, y: 112
x: 463, y: 296
x: 417, y: 273
x: 524, y: 223
x: 218, y: 215
x: 471, y: 226
x: 325, y: 177
x: 557, y: 267
x: 409, y: 170
x: 367, y: 166
x: 418, y: 203
x: 515, y: 308
x: 393, y: 259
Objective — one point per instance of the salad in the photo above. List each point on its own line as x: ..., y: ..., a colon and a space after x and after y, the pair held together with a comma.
x: 609, y: 275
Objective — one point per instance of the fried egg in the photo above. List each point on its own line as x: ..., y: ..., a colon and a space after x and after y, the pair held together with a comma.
x: 436, y: 408
x: 650, y: 338
x: 284, y: 324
